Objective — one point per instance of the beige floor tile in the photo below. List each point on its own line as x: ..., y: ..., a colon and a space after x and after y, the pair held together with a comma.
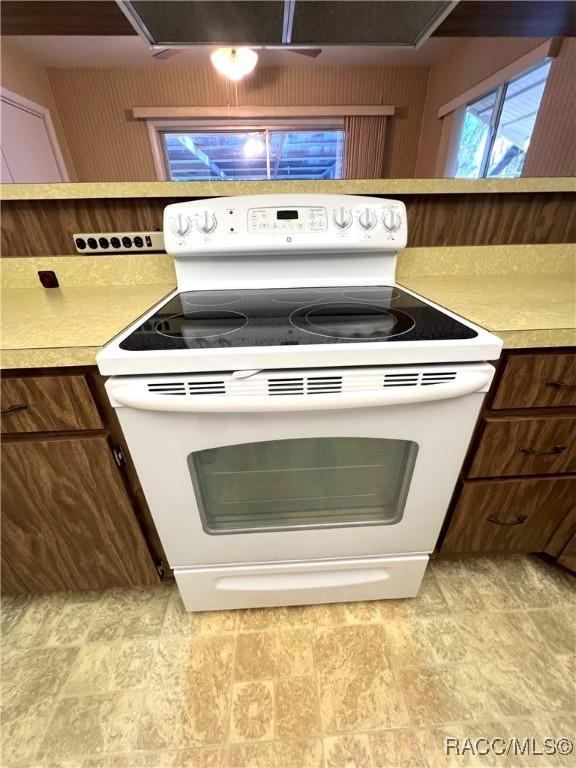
x: 494, y: 590
x: 22, y: 728
x: 429, y: 602
x: 425, y: 693
x: 351, y: 751
x: 357, y: 690
x: 34, y: 674
x: 306, y: 753
x: 442, y: 640
x: 534, y: 583
x: 179, y: 622
x: 273, y: 654
x: 180, y: 758
x: 458, y: 588
x: 362, y: 612
x: 127, y: 614
x: 250, y: 756
x: 12, y: 610
x: 88, y: 725
x: 33, y: 612
x: 557, y: 628
x: 176, y: 718
x: 396, y: 749
x: 453, y: 746
x: 492, y: 636
x: 180, y: 662
x: 562, y: 729
x: 296, y: 708
x: 112, y: 666
x: 252, y: 716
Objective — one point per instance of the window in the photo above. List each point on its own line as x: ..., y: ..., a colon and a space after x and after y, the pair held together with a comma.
x: 253, y: 152
x: 308, y: 482
x: 496, y: 128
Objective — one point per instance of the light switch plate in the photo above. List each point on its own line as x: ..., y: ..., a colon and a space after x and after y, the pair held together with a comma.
x: 119, y: 242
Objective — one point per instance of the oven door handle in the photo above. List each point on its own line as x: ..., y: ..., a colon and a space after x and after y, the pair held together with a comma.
x: 134, y: 395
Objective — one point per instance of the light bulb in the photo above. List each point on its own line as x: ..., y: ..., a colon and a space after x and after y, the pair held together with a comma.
x: 234, y: 63
x: 254, y: 146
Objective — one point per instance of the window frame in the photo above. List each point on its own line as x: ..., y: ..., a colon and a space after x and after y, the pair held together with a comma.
x: 500, y: 91
x: 156, y: 129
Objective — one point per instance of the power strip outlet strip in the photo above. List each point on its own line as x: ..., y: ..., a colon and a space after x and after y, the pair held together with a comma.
x: 119, y: 242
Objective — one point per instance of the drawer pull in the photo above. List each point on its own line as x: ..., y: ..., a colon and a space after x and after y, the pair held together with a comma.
x: 554, y: 452
x: 560, y: 385
x: 13, y: 408
x: 519, y: 520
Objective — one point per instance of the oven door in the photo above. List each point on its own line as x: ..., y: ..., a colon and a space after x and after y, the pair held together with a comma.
x: 254, y: 470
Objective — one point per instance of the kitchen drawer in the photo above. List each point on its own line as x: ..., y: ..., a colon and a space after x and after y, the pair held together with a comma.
x: 48, y: 404
x: 537, y: 381
x: 325, y: 581
x: 526, y: 446
x: 509, y: 515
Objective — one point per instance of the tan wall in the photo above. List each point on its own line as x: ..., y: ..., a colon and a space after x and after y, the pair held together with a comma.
x: 29, y: 79
x: 552, y: 149
x: 107, y: 145
x: 471, y: 61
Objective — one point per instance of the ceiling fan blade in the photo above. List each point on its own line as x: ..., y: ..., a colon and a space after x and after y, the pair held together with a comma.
x: 165, y: 53
x: 312, y: 53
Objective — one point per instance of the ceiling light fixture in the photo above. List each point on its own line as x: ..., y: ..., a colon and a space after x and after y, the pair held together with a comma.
x: 254, y: 147
x: 234, y: 63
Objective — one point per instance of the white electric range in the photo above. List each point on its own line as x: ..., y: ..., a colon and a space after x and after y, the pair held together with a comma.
x: 297, y: 419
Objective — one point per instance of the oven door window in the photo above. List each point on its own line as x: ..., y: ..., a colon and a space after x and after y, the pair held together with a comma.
x: 305, y: 483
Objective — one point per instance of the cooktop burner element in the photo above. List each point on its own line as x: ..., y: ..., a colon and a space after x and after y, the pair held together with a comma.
x: 203, y: 324
x: 352, y: 321
x: 299, y: 316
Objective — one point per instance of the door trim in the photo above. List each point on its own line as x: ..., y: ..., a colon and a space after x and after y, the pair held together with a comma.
x: 21, y: 102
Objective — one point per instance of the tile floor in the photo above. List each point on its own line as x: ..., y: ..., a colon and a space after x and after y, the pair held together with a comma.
x: 126, y: 679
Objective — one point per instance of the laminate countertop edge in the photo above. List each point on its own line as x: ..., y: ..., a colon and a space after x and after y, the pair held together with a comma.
x: 198, y: 189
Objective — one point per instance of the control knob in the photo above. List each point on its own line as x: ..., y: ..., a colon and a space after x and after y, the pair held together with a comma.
x: 367, y: 219
x: 207, y: 222
x: 181, y: 225
x: 391, y: 220
x: 342, y: 218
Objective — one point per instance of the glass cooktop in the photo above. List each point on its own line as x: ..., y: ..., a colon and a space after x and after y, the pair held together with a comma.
x: 292, y: 316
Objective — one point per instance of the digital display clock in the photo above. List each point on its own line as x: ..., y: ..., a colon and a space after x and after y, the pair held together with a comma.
x: 285, y: 215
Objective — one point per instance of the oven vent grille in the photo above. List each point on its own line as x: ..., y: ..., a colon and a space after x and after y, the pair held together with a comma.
x: 215, y: 387
x: 309, y: 385
x: 286, y: 386
x: 401, y: 379
x: 167, y: 388
x: 438, y: 377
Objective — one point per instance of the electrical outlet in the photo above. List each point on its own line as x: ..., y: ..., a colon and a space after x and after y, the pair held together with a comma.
x: 119, y: 242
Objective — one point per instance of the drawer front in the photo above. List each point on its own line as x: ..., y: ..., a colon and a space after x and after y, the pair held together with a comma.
x: 48, y: 404
x: 537, y: 381
x: 537, y: 446
x: 509, y: 515
x: 327, y: 581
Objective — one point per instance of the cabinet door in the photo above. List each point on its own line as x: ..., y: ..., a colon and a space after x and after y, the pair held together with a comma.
x: 509, y: 515
x: 537, y: 381
x: 67, y: 521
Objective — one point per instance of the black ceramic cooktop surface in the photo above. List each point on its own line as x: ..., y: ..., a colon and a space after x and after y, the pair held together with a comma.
x: 281, y: 317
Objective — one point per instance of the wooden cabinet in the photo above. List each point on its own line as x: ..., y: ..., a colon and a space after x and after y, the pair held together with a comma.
x: 67, y: 521
x: 537, y: 381
x: 509, y: 515
x: 517, y: 491
x: 73, y: 516
x: 47, y: 404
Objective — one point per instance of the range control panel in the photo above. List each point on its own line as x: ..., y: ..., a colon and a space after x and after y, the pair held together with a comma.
x: 277, y: 223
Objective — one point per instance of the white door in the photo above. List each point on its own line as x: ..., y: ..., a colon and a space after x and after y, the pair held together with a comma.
x: 30, y: 153
x: 263, y: 478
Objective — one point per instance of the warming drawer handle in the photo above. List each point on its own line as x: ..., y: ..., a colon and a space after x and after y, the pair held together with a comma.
x: 289, y: 581
x: 13, y: 408
x: 135, y: 396
x: 556, y: 451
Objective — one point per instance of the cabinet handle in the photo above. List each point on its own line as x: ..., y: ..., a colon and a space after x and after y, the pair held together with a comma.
x: 554, y: 452
x: 560, y: 385
x: 519, y: 520
x: 13, y: 408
